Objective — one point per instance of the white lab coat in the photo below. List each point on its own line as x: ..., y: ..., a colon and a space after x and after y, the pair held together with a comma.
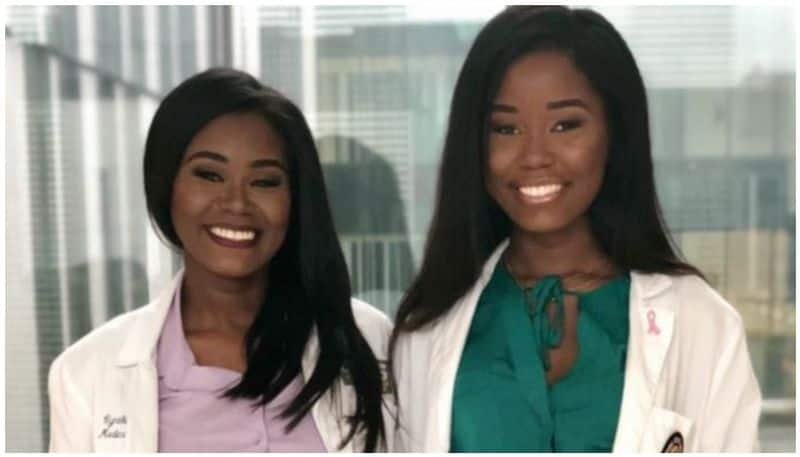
x: 104, y: 389
x: 693, y: 377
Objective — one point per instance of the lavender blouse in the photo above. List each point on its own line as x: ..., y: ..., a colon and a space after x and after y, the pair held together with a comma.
x: 193, y: 418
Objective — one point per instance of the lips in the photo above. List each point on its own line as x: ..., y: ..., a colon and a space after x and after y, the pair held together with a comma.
x: 233, y: 237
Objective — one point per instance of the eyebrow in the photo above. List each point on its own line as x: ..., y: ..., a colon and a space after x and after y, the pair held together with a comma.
x: 557, y: 104
x: 567, y: 102
x: 261, y: 163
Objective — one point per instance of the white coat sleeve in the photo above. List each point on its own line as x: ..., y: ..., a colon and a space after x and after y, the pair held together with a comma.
x: 734, y: 404
x: 70, y: 413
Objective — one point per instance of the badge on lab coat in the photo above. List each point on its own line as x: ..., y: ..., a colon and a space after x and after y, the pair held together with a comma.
x: 674, y: 443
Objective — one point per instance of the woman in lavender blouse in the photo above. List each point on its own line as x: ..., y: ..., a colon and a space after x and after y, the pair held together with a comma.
x: 256, y: 344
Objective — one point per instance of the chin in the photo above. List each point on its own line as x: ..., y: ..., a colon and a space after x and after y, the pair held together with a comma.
x: 235, y: 271
x: 541, y: 225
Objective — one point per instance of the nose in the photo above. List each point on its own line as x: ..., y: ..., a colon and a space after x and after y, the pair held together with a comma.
x: 535, y: 149
x: 235, y: 198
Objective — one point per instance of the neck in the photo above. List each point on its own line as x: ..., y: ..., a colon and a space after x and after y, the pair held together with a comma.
x: 213, y: 302
x: 569, y: 253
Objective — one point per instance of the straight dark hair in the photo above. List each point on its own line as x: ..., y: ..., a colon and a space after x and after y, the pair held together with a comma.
x: 468, y: 225
x: 309, y: 287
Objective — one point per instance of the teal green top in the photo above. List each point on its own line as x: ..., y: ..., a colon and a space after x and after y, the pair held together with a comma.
x: 501, y: 400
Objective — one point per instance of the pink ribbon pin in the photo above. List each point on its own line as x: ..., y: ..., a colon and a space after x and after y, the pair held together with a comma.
x: 652, y: 328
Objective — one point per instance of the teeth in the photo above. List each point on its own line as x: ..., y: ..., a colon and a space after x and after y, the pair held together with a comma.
x: 540, y: 191
x: 234, y: 235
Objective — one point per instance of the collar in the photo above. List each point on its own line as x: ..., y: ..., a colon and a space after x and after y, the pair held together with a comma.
x: 447, y: 344
x: 650, y: 284
x: 177, y: 366
x: 646, y: 355
x: 652, y: 323
x: 645, y: 296
x: 651, y: 316
x: 140, y: 344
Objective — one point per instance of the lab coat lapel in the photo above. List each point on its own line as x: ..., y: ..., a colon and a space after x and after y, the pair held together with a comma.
x: 448, y: 344
x: 131, y: 389
x: 651, y: 319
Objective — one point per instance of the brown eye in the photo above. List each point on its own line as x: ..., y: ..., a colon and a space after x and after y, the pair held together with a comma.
x: 207, y: 175
x: 563, y: 126
x: 271, y: 182
x: 505, y: 129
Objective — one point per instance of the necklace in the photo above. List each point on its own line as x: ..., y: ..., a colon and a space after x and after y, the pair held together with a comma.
x: 513, y: 275
x: 590, y: 281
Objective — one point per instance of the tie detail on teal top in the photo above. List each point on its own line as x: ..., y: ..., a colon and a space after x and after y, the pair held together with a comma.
x: 548, y: 290
x: 501, y: 400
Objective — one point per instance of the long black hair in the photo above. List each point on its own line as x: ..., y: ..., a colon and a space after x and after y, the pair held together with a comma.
x: 468, y: 225
x: 309, y: 287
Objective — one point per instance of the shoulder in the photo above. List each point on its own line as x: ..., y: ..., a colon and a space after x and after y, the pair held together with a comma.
x: 699, y: 302
x: 75, y: 375
x: 701, y: 313
x: 373, y: 324
x: 366, y: 314
x: 369, y: 318
x: 100, y: 346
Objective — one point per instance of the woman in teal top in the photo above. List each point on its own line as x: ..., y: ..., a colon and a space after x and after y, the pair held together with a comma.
x: 547, y: 147
x: 503, y: 369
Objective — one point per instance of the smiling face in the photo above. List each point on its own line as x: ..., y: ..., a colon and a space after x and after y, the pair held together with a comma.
x: 547, y: 144
x: 231, y: 199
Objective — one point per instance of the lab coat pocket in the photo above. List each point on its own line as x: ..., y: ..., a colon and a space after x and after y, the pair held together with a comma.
x: 666, y: 431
